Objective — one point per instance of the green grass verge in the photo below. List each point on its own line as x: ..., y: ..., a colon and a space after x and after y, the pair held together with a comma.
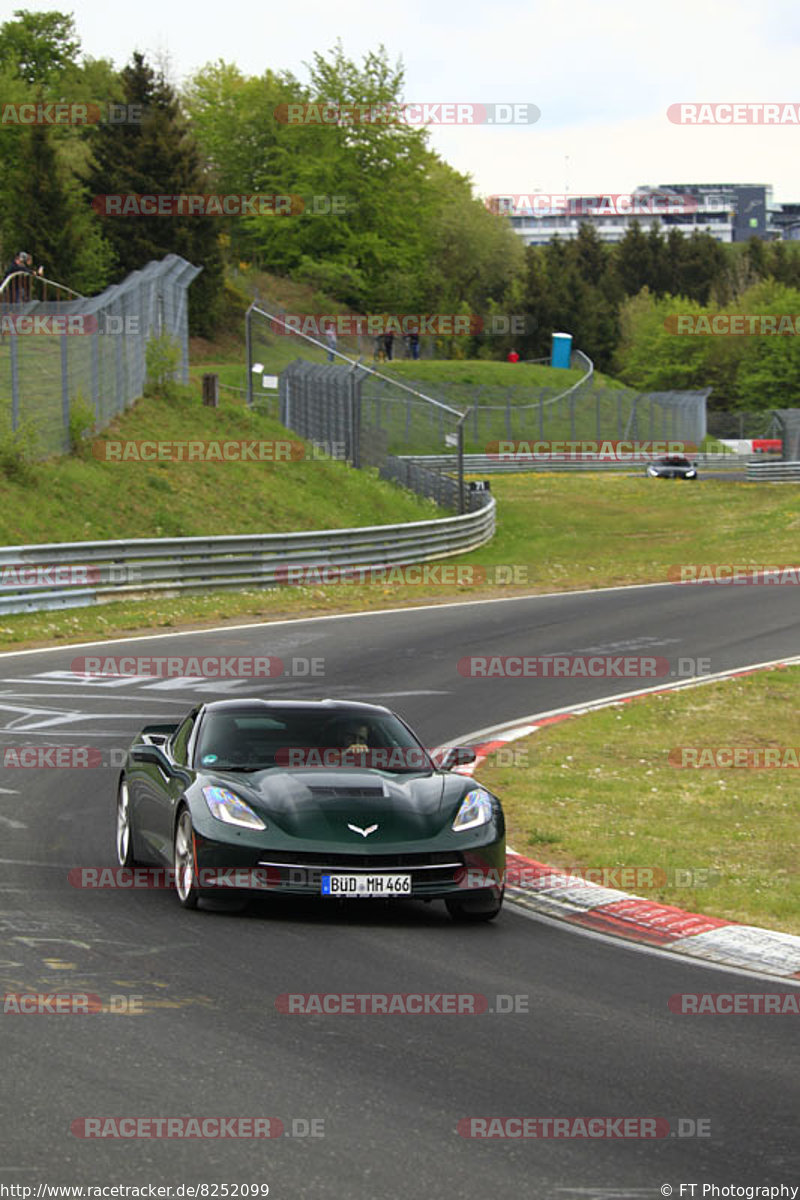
x: 597, y: 793
x: 560, y: 533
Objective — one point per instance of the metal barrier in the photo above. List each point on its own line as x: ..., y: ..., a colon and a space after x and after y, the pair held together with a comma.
x: 488, y: 464
x: 76, y: 574
x: 432, y: 480
x: 773, y: 472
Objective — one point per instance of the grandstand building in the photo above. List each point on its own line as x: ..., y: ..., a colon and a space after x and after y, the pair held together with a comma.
x: 730, y: 212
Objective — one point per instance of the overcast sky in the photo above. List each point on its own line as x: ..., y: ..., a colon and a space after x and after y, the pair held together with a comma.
x: 602, y: 74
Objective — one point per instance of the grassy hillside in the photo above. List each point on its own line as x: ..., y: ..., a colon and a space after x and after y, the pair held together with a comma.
x: 448, y: 379
x: 82, y: 498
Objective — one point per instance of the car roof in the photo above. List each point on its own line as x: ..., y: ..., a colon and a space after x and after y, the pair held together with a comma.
x: 324, y: 707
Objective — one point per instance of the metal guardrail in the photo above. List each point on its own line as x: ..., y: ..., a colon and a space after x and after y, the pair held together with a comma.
x: 77, y: 574
x: 439, y: 483
x: 773, y: 472
x: 475, y: 464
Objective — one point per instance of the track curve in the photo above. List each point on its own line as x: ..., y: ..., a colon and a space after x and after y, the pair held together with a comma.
x: 597, y: 1038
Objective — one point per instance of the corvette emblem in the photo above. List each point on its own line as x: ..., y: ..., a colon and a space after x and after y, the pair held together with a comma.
x: 363, y: 832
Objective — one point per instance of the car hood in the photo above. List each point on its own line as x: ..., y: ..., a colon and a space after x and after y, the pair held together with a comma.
x: 321, y: 805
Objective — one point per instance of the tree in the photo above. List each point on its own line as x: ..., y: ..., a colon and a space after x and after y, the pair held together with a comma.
x: 38, y: 46
x: 158, y: 156
x: 633, y: 260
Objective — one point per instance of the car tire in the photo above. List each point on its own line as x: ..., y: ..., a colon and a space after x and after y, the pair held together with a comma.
x: 474, y: 910
x: 125, y: 856
x: 183, y: 861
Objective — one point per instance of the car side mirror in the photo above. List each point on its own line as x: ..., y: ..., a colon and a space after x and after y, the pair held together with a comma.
x: 146, y: 753
x: 456, y: 756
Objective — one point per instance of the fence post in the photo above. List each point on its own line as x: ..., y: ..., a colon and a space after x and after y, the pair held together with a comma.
x: 95, y: 400
x: 14, y: 347
x: 211, y: 390
x: 64, y: 388
x: 355, y: 415
x: 248, y: 338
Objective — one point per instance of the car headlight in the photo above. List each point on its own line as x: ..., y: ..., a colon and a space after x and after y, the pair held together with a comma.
x: 691, y: 474
x: 227, y: 807
x: 476, y: 809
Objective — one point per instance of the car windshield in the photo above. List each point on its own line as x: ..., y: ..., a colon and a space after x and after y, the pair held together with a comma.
x: 675, y: 460
x: 250, y: 740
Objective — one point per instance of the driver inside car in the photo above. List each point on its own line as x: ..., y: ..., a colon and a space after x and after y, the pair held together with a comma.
x: 355, y: 739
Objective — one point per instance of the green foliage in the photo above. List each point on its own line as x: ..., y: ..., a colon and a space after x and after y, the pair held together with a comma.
x: 38, y: 46
x: 18, y: 451
x: 81, y: 423
x: 44, y: 207
x: 159, y: 155
x: 163, y: 359
x: 751, y: 372
x: 404, y: 232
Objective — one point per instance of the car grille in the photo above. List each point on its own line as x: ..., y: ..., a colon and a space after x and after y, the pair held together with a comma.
x: 430, y: 872
x: 348, y: 862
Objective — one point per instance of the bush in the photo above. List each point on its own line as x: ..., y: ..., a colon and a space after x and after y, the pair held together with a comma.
x: 18, y: 449
x: 163, y: 359
x: 81, y: 423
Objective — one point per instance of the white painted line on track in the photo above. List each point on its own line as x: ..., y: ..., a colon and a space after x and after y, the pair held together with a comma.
x: 373, y: 612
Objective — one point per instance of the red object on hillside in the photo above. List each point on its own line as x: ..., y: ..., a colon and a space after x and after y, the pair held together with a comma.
x: 513, y: 356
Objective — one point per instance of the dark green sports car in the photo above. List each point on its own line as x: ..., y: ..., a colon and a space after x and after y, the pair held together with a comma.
x: 329, y: 798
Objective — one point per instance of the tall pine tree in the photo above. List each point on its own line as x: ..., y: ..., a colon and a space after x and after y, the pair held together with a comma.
x: 158, y: 156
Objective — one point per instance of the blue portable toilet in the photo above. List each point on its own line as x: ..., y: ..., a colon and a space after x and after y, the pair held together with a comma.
x: 562, y: 350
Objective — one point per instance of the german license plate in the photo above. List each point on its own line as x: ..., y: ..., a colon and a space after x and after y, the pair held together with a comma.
x: 366, y: 885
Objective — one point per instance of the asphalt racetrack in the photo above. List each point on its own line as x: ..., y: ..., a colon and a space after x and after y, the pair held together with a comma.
x: 371, y: 1105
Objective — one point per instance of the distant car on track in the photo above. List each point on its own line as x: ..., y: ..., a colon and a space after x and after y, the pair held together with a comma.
x: 672, y: 466
x: 334, y: 799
